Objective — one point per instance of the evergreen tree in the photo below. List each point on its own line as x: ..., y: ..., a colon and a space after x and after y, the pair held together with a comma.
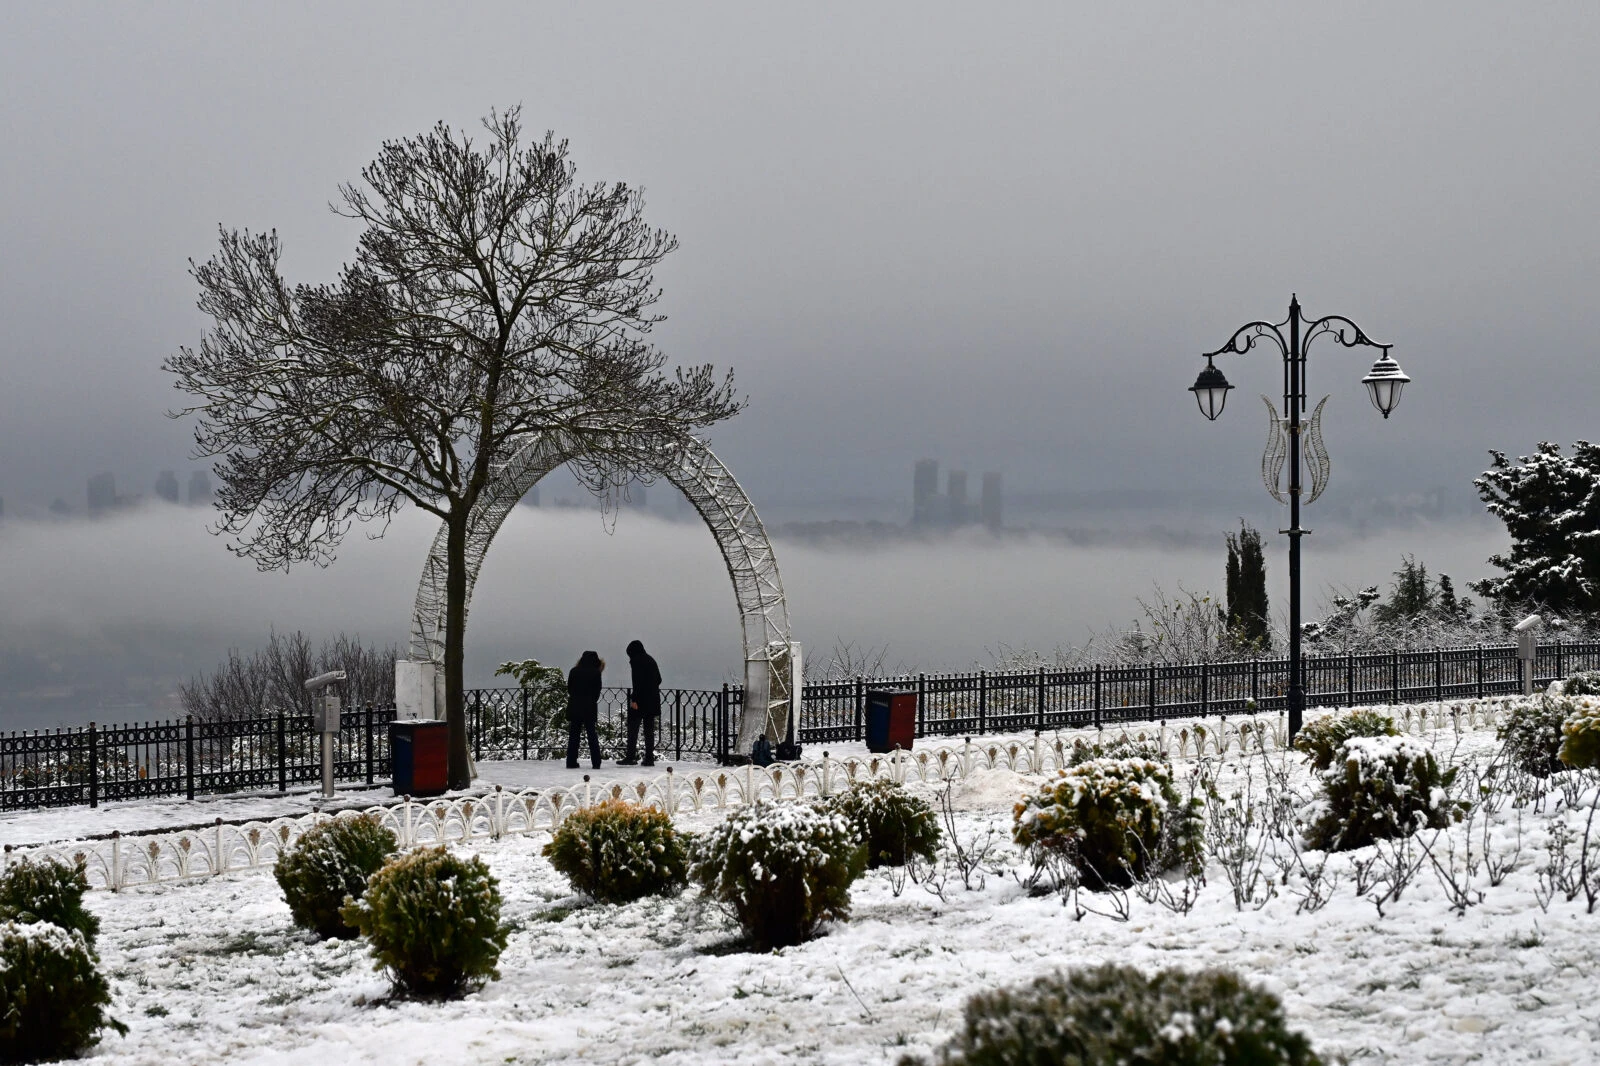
x: 1247, y: 589
x: 1413, y: 594
x: 1550, y: 504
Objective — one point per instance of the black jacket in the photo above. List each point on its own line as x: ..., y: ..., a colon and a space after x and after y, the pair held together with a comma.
x: 583, y: 689
x: 646, y: 683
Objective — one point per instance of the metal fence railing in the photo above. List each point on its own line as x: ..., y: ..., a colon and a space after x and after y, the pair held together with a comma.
x: 66, y: 767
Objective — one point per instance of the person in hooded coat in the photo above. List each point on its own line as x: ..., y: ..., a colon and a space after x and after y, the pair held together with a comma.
x: 644, y: 705
x: 583, y: 707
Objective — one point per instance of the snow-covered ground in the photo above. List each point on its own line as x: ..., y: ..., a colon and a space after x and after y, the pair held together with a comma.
x: 213, y: 970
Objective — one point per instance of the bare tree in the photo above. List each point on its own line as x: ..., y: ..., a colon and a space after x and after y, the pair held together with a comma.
x: 491, y: 299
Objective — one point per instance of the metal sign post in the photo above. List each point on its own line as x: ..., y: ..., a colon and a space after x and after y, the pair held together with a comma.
x: 325, y: 719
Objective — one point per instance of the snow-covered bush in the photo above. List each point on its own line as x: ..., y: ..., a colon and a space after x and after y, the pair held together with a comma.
x: 1380, y: 788
x: 1116, y: 821
x: 1115, y: 1014
x: 1120, y: 746
x: 894, y: 824
x: 1531, y: 734
x: 1321, y: 738
x: 780, y: 869
x: 616, y: 852
x: 329, y: 864
x: 52, y: 997
x: 1586, y: 683
x: 48, y: 890
x: 1580, y: 733
x: 434, y: 922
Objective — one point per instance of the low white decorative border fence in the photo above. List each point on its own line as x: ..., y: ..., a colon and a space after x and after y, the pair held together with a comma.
x: 123, y: 861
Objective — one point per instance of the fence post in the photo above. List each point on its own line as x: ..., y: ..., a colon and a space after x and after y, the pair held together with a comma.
x: 922, y: 705
x: 1152, y: 691
x: 524, y: 700
x: 1480, y: 670
x: 677, y: 724
x: 983, y: 700
x: 1255, y: 682
x: 283, y: 755
x: 1040, y: 713
x: 1099, y: 697
x: 1205, y: 690
x: 1438, y: 675
x: 861, y: 699
x: 94, y: 766
x: 477, y: 731
x: 723, y: 741
x: 1394, y: 677
x: 188, y: 756
x: 366, y: 736
x: 1560, y: 669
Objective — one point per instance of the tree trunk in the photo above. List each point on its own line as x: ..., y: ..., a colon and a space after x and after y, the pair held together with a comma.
x: 455, y: 631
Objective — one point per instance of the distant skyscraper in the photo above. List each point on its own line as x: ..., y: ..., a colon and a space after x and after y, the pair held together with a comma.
x: 531, y: 497
x: 924, y: 491
x: 167, y: 486
x: 957, y: 494
x: 990, y: 504
x: 199, y: 488
x: 102, y: 492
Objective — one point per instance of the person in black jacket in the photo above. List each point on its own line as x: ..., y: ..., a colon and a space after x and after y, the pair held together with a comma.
x: 644, y: 705
x: 583, y: 707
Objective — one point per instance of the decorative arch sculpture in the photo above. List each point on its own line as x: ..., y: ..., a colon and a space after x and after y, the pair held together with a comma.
x: 772, y: 660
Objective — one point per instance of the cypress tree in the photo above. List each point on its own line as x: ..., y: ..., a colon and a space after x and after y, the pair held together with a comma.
x: 1247, y: 588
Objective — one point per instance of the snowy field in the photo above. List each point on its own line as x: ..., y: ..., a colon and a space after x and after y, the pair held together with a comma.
x: 213, y: 970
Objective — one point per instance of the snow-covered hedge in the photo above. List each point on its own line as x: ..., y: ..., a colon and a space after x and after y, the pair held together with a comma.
x: 1115, y: 1014
x: 48, y: 890
x: 1580, y: 733
x: 1531, y: 732
x: 52, y: 997
x: 617, y: 852
x: 1378, y: 789
x: 894, y: 824
x: 780, y: 868
x: 433, y: 919
x: 1321, y: 738
x: 329, y: 864
x: 1115, y: 820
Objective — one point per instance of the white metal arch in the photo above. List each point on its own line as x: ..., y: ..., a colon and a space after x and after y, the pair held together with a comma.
x: 772, y: 667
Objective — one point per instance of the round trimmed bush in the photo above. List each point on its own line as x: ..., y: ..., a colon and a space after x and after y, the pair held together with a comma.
x: 1586, y: 683
x: 892, y: 823
x: 52, y: 997
x: 1321, y: 738
x: 329, y: 864
x: 1381, y: 788
x: 1580, y: 734
x: 434, y: 922
x: 48, y: 890
x: 617, y: 852
x: 781, y: 869
x: 1531, y: 734
x: 1114, y: 820
x: 1114, y: 1014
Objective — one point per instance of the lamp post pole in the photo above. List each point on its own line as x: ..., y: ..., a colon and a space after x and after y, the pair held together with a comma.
x: 1292, y: 437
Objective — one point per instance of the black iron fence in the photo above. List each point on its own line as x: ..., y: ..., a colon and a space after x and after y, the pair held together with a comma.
x: 66, y: 767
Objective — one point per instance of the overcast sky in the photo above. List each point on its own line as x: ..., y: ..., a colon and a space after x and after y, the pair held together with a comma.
x: 994, y: 234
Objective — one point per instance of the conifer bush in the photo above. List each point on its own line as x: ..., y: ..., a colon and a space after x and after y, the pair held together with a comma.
x: 1115, y: 820
x: 892, y: 823
x: 780, y: 869
x: 1531, y: 733
x: 48, y: 890
x: 1580, y: 734
x: 331, y: 861
x: 617, y: 852
x: 1378, y: 789
x: 1115, y: 1014
x: 1321, y: 738
x: 433, y: 920
x: 53, y: 999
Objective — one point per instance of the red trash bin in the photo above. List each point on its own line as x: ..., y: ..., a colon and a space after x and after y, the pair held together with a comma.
x: 420, y: 752
x: 891, y: 719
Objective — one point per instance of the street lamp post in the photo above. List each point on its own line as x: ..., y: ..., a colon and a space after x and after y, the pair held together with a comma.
x: 1304, y: 437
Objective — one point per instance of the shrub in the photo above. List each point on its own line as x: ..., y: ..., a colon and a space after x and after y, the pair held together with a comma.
x: 892, y: 823
x: 51, y: 891
x: 1381, y: 787
x: 1321, y: 738
x: 1115, y: 1014
x: 617, y: 852
x: 434, y: 922
x: 1580, y: 732
x: 52, y: 998
x: 1531, y: 734
x: 1114, y: 820
x: 780, y: 869
x: 329, y: 863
